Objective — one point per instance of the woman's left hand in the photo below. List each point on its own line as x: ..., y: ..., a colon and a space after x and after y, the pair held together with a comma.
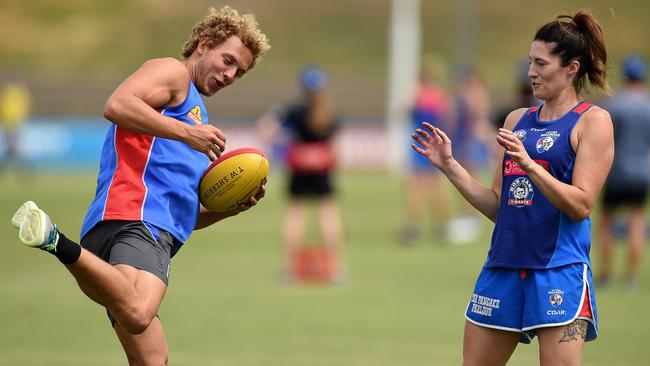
x: 514, y: 148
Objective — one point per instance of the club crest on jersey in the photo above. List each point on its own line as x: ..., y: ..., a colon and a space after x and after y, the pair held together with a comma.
x: 195, y: 115
x: 556, y: 297
x: 546, y: 141
x: 520, y: 193
x: 520, y: 134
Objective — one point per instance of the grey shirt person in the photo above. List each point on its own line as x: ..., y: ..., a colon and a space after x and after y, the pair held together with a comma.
x: 630, y: 112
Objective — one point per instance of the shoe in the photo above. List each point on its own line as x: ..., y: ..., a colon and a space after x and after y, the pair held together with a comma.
x: 409, y: 234
x: 19, y: 217
x: 631, y: 285
x: 603, y: 281
x: 35, y: 227
x: 464, y: 230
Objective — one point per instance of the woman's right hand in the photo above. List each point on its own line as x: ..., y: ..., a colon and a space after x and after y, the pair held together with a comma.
x: 433, y: 144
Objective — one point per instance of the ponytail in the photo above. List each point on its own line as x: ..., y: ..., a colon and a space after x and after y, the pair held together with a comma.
x: 579, y: 37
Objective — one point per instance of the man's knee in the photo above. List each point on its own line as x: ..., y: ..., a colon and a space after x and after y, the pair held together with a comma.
x: 135, y: 312
x: 147, y: 348
x: 135, y: 320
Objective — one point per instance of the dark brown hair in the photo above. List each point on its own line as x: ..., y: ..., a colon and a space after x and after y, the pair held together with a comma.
x: 580, y: 38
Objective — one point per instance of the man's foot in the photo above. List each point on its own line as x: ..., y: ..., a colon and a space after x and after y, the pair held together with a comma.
x: 19, y: 217
x: 35, y: 227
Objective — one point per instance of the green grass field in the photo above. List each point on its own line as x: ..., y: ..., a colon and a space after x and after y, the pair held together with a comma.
x: 225, y: 305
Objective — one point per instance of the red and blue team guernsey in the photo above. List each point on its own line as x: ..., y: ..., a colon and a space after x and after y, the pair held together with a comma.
x: 530, y: 232
x: 151, y: 179
x: 431, y: 105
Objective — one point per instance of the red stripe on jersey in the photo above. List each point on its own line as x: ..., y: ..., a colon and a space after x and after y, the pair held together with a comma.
x: 533, y: 110
x: 127, y: 191
x: 431, y: 98
x: 582, y: 108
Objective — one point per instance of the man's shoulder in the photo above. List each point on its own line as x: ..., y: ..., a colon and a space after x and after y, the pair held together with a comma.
x: 168, y: 64
x: 168, y: 71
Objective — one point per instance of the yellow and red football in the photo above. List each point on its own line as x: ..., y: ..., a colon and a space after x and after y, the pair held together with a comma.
x: 232, y: 179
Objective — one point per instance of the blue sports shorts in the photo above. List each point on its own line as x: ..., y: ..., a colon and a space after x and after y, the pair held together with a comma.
x: 525, y: 300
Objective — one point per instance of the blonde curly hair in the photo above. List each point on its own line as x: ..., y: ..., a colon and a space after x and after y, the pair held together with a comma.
x: 220, y: 25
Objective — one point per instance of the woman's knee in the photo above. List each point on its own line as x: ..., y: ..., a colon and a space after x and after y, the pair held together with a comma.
x: 485, y: 346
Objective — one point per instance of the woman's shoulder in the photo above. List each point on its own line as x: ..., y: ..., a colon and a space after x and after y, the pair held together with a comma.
x: 596, y: 125
x: 514, y: 117
x: 597, y: 115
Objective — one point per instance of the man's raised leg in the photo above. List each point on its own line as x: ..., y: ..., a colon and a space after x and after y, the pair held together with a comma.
x: 132, y: 296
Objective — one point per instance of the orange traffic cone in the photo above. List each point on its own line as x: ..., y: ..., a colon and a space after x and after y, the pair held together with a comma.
x: 313, y: 263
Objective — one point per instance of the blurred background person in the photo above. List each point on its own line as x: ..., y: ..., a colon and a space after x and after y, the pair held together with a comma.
x: 627, y: 184
x: 427, y: 189
x: 15, y: 107
x: 472, y: 135
x: 310, y: 128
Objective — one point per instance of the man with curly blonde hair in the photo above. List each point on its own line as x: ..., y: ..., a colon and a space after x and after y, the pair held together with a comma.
x: 146, y: 205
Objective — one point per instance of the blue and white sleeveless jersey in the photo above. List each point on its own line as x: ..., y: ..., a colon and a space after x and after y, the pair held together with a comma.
x: 530, y: 232
x: 151, y: 179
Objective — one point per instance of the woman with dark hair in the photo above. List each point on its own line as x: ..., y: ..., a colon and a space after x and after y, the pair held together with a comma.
x: 536, y: 280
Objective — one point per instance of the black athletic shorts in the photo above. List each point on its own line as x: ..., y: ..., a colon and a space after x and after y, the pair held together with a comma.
x: 310, y: 185
x: 634, y: 196
x: 133, y: 244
